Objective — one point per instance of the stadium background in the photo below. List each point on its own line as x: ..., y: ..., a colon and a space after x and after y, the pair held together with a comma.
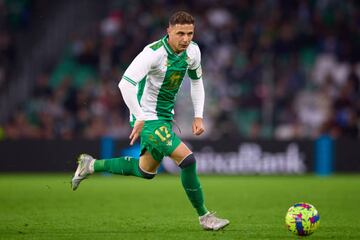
x: 282, y: 85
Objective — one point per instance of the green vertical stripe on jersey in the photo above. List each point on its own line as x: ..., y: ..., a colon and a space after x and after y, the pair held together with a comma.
x: 140, y: 91
x: 176, y: 69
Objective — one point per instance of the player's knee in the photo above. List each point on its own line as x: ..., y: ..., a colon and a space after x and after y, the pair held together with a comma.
x: 147, y: 175
x: 188, y: 161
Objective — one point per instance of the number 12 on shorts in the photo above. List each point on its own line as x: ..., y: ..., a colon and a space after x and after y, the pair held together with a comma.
x: 163, y: 133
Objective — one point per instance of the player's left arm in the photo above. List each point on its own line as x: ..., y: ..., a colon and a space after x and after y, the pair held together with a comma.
x: 197, y: 92
x: 198, y: 100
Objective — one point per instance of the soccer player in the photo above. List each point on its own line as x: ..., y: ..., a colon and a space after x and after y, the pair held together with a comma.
x: 149, y: 87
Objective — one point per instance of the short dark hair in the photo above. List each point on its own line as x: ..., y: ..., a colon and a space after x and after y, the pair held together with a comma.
x: 181, y: 17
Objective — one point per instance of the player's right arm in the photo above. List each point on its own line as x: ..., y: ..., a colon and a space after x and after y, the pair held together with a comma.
x: 136, y: 71
x: 197, y: 90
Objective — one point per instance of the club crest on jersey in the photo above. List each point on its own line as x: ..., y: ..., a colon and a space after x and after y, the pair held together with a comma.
x: 174, y: 81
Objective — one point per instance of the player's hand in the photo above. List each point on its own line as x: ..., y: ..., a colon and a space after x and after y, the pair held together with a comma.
x: 138, y: 126
x: 198, y: 126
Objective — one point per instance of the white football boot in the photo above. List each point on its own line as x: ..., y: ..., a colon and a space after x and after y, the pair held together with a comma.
x: 84, y: 169
x: 210, y: 222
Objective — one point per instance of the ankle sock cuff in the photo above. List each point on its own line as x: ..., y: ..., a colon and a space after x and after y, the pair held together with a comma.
x: 99, y: 165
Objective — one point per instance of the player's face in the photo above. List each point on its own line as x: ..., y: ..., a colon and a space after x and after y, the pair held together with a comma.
x: 180, y: 36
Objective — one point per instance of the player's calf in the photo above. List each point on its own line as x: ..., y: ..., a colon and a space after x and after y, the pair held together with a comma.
x: 191, y: 184
x: 127, y: 166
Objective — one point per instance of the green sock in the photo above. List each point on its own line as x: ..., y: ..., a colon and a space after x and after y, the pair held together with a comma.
x: 191, y: 184
x: 122, y: 166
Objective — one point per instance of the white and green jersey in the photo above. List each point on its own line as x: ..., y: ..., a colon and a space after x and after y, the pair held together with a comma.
x: 158, y: 73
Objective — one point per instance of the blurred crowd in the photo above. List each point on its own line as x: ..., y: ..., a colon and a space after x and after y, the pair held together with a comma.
x: 272, y: 69
x: 13, y: 17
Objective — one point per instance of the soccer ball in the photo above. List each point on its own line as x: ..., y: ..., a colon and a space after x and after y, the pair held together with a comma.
x: 302, y: 219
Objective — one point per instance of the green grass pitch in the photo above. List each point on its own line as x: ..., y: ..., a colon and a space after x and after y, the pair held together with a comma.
x: 42, y: 206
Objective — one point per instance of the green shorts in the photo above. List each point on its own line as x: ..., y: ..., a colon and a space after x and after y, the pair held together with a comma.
x: 158, y: 138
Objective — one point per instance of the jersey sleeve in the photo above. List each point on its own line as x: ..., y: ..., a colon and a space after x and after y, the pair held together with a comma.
x: 140, y: 66
x: 195, y: 71
x: 198, y: 97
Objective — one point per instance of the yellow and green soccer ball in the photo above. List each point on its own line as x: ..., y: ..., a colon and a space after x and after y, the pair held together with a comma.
x: 302, y: 219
